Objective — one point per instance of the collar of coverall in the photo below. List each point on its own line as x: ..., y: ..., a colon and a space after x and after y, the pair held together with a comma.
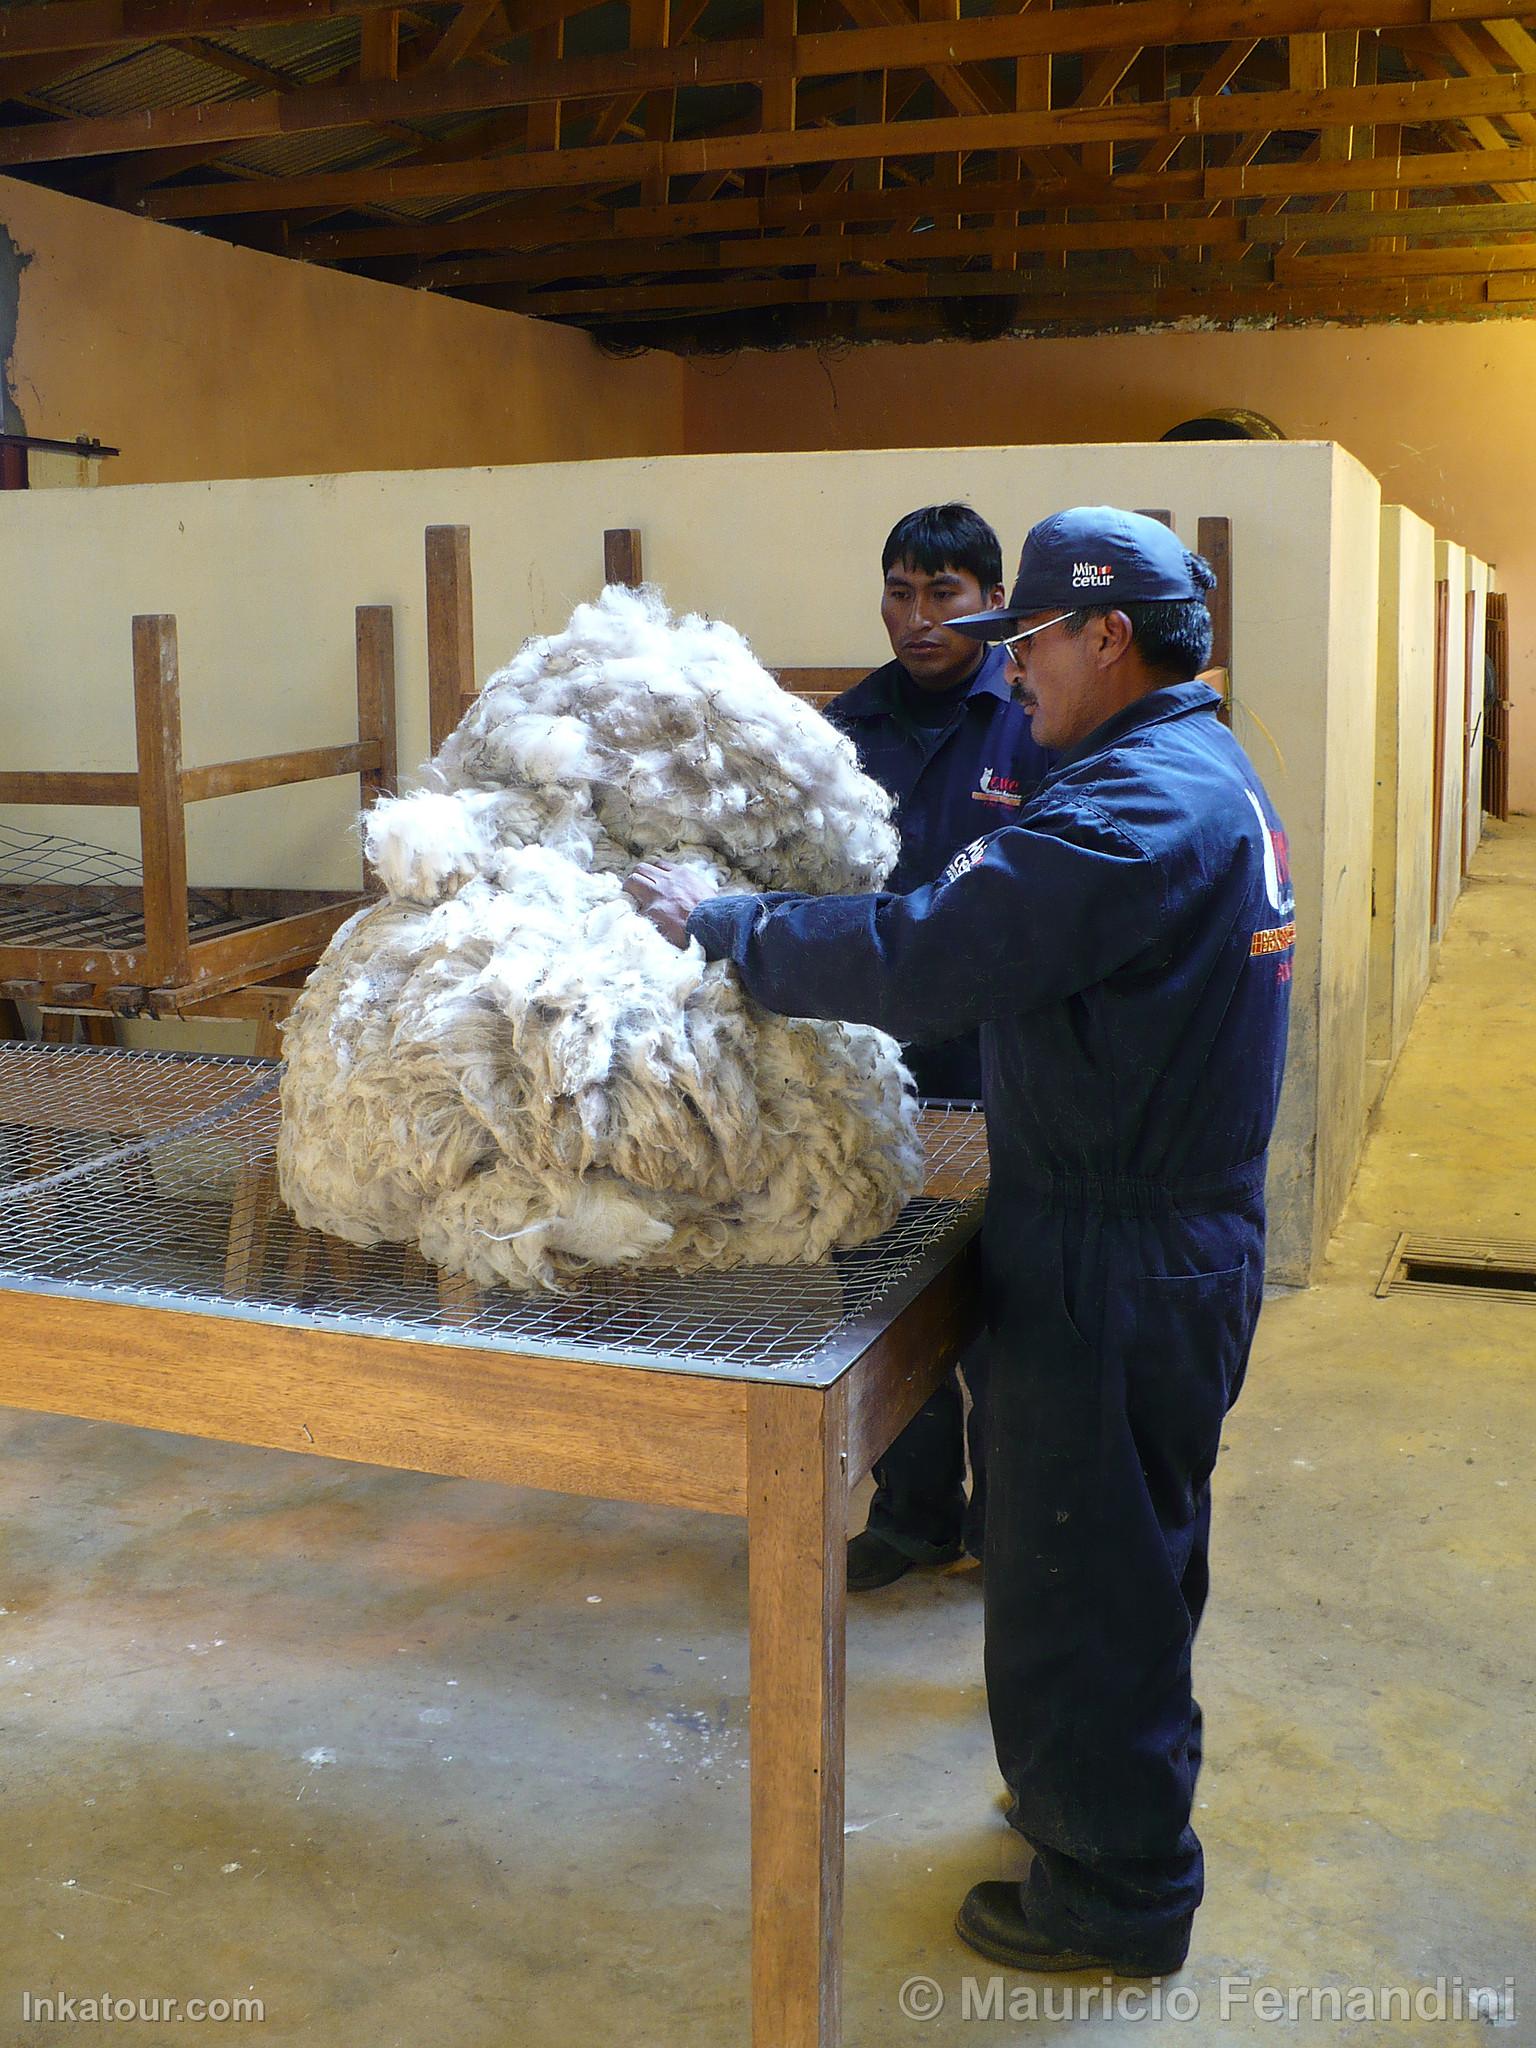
x: 876, y: 696
x: 1170, y: 700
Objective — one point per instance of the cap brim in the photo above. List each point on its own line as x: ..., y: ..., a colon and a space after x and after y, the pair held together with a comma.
x: 984, y: 625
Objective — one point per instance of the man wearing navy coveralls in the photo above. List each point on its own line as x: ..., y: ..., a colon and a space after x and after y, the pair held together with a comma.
x: 1125, y: 944
x: 938, y: 728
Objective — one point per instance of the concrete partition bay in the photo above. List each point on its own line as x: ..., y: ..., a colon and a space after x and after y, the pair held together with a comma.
x: 263, y: 576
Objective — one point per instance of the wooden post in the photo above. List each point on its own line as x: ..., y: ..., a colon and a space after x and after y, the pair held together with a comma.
x: 376, y: 701
x: 162, y: 816
x: 1437, y: 793
x: 450, y: 630
x: 621, y: 556
x: 797, y: 1504
x: 1471, y: 710
x: 1163, y: 518
x: 1214, y: 541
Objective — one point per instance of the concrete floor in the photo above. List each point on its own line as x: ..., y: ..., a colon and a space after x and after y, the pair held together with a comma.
x: 416, y: 1761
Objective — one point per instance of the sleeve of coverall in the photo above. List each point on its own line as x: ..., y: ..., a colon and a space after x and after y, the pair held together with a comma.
x: 1029, y: 916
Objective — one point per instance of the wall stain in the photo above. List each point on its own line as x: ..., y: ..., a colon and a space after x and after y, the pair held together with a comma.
x: 12, y: 263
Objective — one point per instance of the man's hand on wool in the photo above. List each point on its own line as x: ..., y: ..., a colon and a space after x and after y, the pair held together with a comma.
x: 667, y: 896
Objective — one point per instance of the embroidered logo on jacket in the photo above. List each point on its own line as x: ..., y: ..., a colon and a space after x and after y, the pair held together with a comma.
x: 1092, y: 575
x: 997, y: 789
x: 1281, y: 937
x: 967, y: 858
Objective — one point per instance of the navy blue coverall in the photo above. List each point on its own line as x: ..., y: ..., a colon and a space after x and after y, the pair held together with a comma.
x: 1125, y: 945
x: 957, y: 762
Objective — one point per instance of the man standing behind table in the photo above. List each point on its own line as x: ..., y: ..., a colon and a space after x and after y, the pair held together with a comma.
x: 1126, y: 946
x: 938, y: 728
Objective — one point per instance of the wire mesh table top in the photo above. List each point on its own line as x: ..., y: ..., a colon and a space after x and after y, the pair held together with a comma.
x: 147, y: 1178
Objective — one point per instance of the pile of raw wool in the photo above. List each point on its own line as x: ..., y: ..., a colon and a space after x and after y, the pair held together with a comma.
x: 504, y: 1061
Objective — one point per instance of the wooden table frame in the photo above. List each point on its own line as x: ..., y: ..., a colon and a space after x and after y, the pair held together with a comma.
x: 785, y: 1454
x: 262, y: 932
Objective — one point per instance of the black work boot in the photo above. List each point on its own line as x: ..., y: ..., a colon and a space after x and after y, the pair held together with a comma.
x: 873, y: 1562
x: 993, y: 1922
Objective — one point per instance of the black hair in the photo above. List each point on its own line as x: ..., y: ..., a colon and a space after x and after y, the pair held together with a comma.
x: 938, y: 537
x: 1172, y: 635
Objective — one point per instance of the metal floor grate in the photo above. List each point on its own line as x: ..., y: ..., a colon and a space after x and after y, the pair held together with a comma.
x: 1501, y: 1267
x: 62, y: 1107
x: 149, y: 1177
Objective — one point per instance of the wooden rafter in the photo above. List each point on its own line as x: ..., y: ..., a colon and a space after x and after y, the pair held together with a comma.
x: 1421, y: 101
x: 478, y: 88
x: 543, y: 222
x: 1470, y: 225
x: 1064, y: 160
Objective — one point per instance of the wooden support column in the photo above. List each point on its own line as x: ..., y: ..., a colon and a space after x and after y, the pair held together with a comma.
x: 946, y: 169
x: 869, y: 106
x: 1213, y: 539
x: 1031, y: 95
x: 547, y: 46
x: 622, y: 556
x: 450, y: 630
x: 162, y: 818
x: 797, y: 1496
x: 780, y: 19
x: 650, y: 28
x: 379, y: 50
x: 376, y: 702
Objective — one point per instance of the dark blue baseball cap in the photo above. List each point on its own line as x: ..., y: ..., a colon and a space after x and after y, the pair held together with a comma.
x: 1092, y: 555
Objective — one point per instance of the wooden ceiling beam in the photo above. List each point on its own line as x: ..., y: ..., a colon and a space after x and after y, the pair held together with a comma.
x: 1421, y: 101
x: 1434, y: 61
x: 1426, y: 168
x: 1514, y: 40
x: 618, y: 256
x: 101, y: 24
x: 461, y: 35
x: 1215, y: 78
x: 481, y: 88
x: 788, y: 252
x: 1483, y: 261
x: 536, y: 223
x: 1211, y: 288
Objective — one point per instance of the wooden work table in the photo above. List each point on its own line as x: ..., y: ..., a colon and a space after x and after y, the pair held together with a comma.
x: 135, y: 1205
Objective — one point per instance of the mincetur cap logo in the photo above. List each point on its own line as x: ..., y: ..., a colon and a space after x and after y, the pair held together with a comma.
x: 1092, y: 575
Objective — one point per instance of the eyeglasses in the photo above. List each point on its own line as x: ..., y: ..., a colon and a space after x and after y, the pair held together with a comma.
x: 1029, y: 632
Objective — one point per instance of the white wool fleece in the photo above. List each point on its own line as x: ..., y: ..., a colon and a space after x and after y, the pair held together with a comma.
x: 506, y: 1063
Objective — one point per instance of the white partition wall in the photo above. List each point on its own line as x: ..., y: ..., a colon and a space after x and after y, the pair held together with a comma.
x: 1403, y: 850
x: 1451, y: 714
x: 263, y: 576
x: 1476, y: 655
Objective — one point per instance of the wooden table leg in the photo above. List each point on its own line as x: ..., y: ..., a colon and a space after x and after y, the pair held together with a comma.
x: 797, y: 1503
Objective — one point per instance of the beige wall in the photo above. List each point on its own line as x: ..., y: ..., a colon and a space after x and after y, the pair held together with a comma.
x: 197, y: 359
x: 263, y: 575
x: 1441, y: 414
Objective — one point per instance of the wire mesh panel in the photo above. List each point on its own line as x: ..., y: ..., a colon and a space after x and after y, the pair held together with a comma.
x: 167, y: 1198
x: 63, y: 1107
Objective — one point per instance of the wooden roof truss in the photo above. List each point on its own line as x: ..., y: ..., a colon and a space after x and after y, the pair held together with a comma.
x: 672, y: 170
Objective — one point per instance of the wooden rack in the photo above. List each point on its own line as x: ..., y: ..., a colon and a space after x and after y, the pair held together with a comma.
x: 452, y: 686
x: 155, y: 951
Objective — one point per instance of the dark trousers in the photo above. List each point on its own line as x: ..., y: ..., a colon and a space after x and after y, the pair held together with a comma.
x: 1119, y: 1325
x: 920, y: 1505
